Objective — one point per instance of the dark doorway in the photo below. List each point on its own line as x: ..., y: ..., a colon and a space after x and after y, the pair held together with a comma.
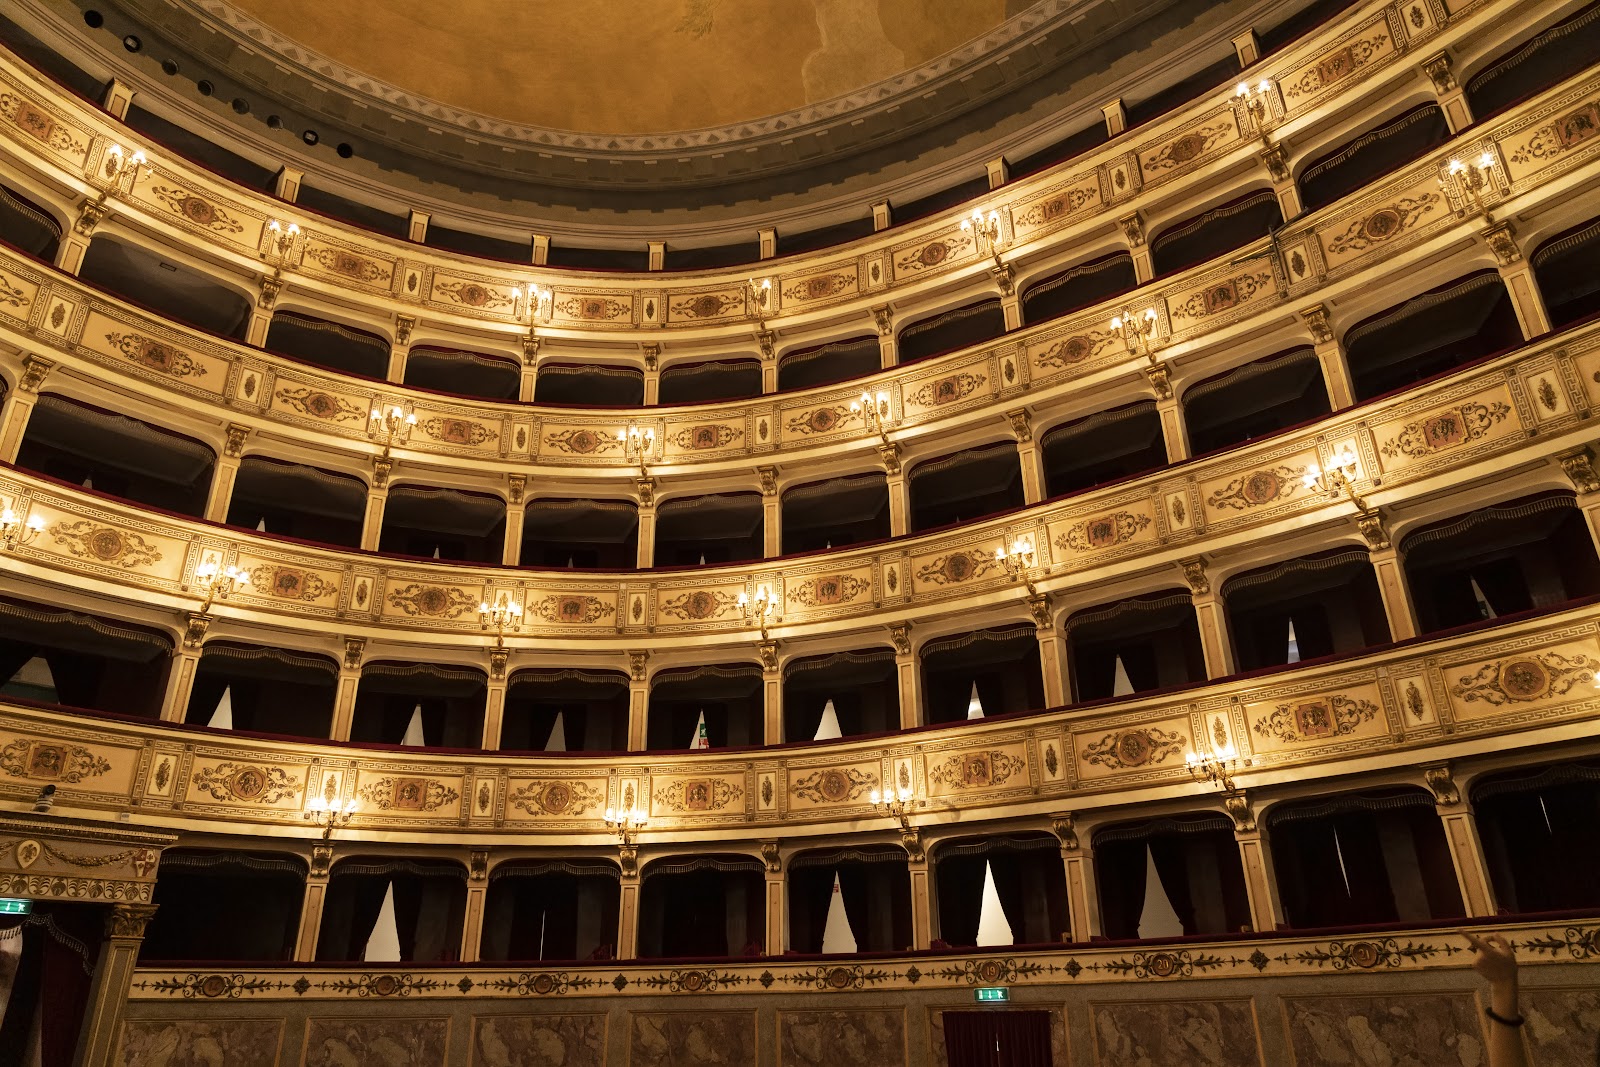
x: 997, y: 1038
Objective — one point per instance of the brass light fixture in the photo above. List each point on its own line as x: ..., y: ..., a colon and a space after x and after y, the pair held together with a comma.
x: 1217, y: 767
x: 1472, y: 180
x: 15, y: 532
x: 985, y: 230
x: 626, y: 823
x: 1257, y: 106
x: 759, y: 609
x: 638, y: 444
x: 391, y: 426
x: 123, y: 170
x: 895, y: 803
x: 1336, y: 477
x: 282, y: 241
x: 219, y: 582
x: 538, y: 296
x: 876, y: 413
x: 1018, y: 560
x: 758, y: 297
x: 1137, y: 331
x: 330, y: 814
x: 504, y: 614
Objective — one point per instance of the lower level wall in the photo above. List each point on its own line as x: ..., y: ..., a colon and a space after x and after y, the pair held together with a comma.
x: 1407, y: 1000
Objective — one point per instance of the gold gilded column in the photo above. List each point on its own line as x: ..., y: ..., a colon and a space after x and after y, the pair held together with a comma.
x: 113, y: 977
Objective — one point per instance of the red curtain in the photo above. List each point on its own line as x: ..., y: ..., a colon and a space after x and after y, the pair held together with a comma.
x: 997, y: 1038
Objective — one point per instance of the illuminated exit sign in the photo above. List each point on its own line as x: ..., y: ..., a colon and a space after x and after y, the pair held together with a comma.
x: 12, y: 906
x: 995, y: 994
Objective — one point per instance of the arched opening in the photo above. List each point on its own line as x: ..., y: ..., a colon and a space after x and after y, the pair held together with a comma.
x: 1107, y: 446
x: 429, y: 523
x: 27, y: 226
x: 116, y: 455
x: 1567, y: 268
x: 589, y: 707
x: 333, y: 345
x: 1305, y: 608
x: 267, y: 690
x: 1545, y: 59
x: 1135, y: 645
x: 964, y: 326
x: 1029, y: 881
x: 462, y: 373
x: 383, y: 909
x: 836, y: 513
x: 426, y: 705
x: 294, y: 500
x: 715, y: 528
x: 580, y: 534
x: 1531, y: 553
x: 172, y: 290
x: 702, y: 906
x: 1368, y: 156
x: 835, y: 361
x: 728, y: 697
x: 1170, y: 877
x: 1001, y: 663
x: 63, y: 657
x: 1444, y: 328
x: 225, y: 905
x: 1078, y: 287
x: 700, y: 383
x: 874, y: 892
x: 1540, y: 828
x: 1255, y: 400
x: 1362, y: 858
x: 965, y: 486
x: 1216, y: 232
x: 589, y: 385
x: 555, y: 909
x: 862, y: 688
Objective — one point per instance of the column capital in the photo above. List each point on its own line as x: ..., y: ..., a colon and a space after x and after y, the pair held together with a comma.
x: 1039, y: 611
x: 353, y: 649
x: 1160, y: 378
x: 127, y: 921
x: 1276, y: 159
x: 403, y: 325
x: 1133, y: 229
x: 1194, y: 572
x: 652, y: 354
x: 1237, y: 805
x: 1438, y: 68
x: 911, y: 841
x: 1441, y: 782
x: 638, y: 665
x: 883, y: 319
x: 195, y: 625
x: 769, y: 480
x: 768, y: 651
x: 321, y: 860
x: 34, y: 370
x: 771, y: 857
x: 647, y: 491
x: 382, y: 467
x: 516, y: 487
x: 1370, y: 522
x: 1063, y: 826
x: 900, y: 635
x: 1317, y: 321
x: 1021, y: 425
x: 1502, y: 241
x: 234, y: 446
x: 890, y: 454
x: 1578, y: 466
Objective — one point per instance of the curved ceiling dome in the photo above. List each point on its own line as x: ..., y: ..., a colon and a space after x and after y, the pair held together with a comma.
x: 645, y: 67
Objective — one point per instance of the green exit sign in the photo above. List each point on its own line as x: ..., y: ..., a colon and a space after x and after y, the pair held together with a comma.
x: 994, y: 994
x: 12, y: 906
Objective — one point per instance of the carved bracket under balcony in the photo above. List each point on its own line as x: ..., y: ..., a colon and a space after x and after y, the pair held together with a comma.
x: 1442, y: 784
x: 90, y: 216
x: 770, y: 856
x: 1370, y: 523
x: 1021, y: 425
x: 354, y: 647
x: 900, y: 637
x: 883, y: 319
x: 233, y: 448
x: 638, y: 662
x: 1317, y: 321
x: 1066, y: 832
x: 1160, y: 380
x: 34, y: 371
x: 516, y: 487
x: 1194, y: 572
x: 195, y: 625
x: 1578, y: 466
x: 270, y: 288
x: 1502, y: 241
x: 911, y: 841
x: 1439, y: 71
x: 1237, y: 804
x: 890, y: 454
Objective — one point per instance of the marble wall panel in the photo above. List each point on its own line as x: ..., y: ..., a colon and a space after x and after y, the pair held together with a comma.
x: 1563, y: 1026
x: 865, y: 1038
x: 1219, y: 1033
x: 692, y: 1039
x: 207, y: 1042
x: 1424, y: 1030
x: 396, y: 1040
x: 538, y: 1041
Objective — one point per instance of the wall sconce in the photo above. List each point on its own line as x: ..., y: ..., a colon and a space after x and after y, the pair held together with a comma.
x: 1257, y: 106
x: 1137, y: 331
x: 330, y: 815
x: 1214, y: 767
x: 638, y: 445
x: 1472, y: 180
x: 123, y: 170
x: 15, y: 533
x: 392, y: 427
x: 876, y: 413
x: 1336, y: 477
x: 758, y: 296
x: 505, y: 614
x: 758, y: 610
x: 895, y: 803
x: 219, y: 582
x: 537, y: 304
x: 1018, y: 561
x: 985, y: 230
x: 282, y: 241
x: 626, y: 823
